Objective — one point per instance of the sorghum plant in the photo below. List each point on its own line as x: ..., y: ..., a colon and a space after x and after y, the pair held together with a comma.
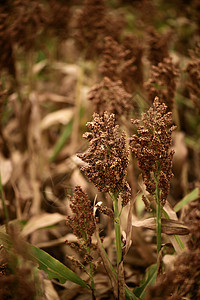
x: 106, y: 166
x: 59, y: 16
x: 110, y: 96
x: 158, y: 46
x: 162, y: 82
x: 106, y: 157
x: 132, y: 71
x: 151, y: 146
x: 113, y: 55
x: 17, y: 285
x: 91, y: 27
x: 28, y: 22
x: 7, y: 60
x: 193, y: 70
x: 83, y: 226
x: 183, y: 280
x: 123, y: 61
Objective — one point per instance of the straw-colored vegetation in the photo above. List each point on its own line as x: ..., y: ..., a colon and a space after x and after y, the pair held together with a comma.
x: 100, y: 149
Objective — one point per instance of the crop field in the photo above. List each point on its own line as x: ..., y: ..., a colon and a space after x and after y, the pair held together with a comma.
x: 99, y: 149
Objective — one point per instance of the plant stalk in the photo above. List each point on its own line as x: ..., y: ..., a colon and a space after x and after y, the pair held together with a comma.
x: 91, y: 278
x: 91, y: 269
x: 158, y: 223
x: 4, y: 205
x: 117, y: 229
x: 92, y: 281
x: 158, y: 217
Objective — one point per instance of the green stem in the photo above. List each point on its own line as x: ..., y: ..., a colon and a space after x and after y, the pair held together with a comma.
x: 4, y: 205
x: 92, y: 281
x: 91, y: 277
x: 117, y: 229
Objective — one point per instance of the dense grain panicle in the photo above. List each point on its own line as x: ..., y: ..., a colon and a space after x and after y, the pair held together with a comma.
x: 107, y: 156
x: 7, y: 61
x: 29, y: 19
x: 158, y: 46
x: 110, y: 96
x: 180, y: 283
x: 193, y: 70
x: 113, y: 55
x: 106, y: 211
x: 91, y: 27
x: 82, y: 222
x: 18, y: 285
x: 123, y: 61
x: 151, y: 146
x: 162, y: 82
x: 59, y: 16
x: 192, y: 220
x: 132, y: 71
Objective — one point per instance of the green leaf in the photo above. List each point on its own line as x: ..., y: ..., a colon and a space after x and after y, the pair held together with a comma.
x: 47, y: 263
x: 109, y: 268
x: 188, y: 198
x: 129, y: 295
x: 66, y: 133
x: 62, y: 140
x: 150, y: 278
x: 54, y: 268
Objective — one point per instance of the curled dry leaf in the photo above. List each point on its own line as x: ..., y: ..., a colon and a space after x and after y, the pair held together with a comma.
x: 5, y: 170
x: 107, y: 265
x: 68, y: 237
x: 170, y: 227
x: 183, y: 239
x: 68, y: 69
x: 37, y: 68
x: 40, y: 221
x: 181, y: 152
x: 50, y: 292
x: 49, y: 96
x: 62, y: 116
x: 129, y: 225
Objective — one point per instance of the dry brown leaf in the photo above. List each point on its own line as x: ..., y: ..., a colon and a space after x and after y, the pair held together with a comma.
x: 24, y: 188
x: 50, y: 292
x: 106, y: 264
x: 78, y: 177
x: 40, y: 221
x: 121, y: 281
x: 62, y: 116
x: 169, y: 210
x: 129, y: 226
x: 69, y: 69
x: 69, y: 237
x: 39, y: 66
x: 180, y: 154
x: 145, y: 193
x: 170, y: 227
x: 5, y: 170
x: 48, y: 96
x: 172, y: 214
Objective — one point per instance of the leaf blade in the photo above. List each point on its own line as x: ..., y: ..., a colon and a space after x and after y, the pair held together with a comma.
x: 54, y: 268
x: 187, y: 199
x: 150, y: 278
